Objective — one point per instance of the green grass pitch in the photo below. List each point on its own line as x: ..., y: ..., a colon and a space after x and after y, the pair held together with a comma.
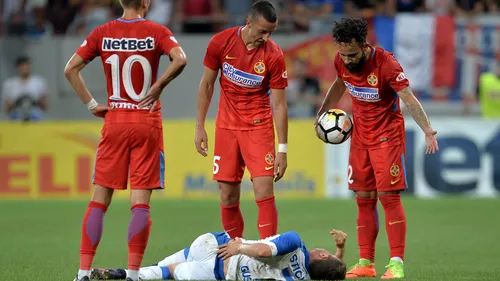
x: 448, y: 239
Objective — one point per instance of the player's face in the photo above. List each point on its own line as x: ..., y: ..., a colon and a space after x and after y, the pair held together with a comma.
x: 260, y: 30
x: 24, y: 69
x: 353, y: 55
x: 320, y: 254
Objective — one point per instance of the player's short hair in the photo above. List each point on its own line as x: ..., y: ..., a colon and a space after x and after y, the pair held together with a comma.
x: 132, y: 4
x: 329, y: 269
x: 264, y: 9
x: 22, y: 60
x: 348, y: 28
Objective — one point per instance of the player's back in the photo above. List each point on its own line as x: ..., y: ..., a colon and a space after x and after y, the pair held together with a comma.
x: 130, y: 51
x: 375, y: 103
x: 290, y: 266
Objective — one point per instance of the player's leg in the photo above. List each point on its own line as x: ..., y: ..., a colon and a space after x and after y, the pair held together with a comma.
x: 361, y: 180
x: 180, y: 256
x: 257, y: 148
x: 389, y: 165
x: 146, y: 173
x: 110, y: 172
x: 228, y: 171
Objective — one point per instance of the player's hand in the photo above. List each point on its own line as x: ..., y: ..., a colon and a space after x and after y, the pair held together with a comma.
x: 431, y: 142
x: 201, y: 141
x: 339, y: 237
x: 230, y: 249
x: 280, y: 166
x: 151, y: 98
x: 100, y: 110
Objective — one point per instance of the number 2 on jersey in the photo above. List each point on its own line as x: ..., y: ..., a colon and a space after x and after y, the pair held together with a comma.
x: 126, y: 76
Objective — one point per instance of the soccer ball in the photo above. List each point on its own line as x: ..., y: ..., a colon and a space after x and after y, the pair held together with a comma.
x: 334, y: 126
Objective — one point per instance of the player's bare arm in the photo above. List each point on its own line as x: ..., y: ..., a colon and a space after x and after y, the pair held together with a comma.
x: 236, y: 246
x: 72, y: 72
x: 179, y: 61
x: 417, y: 112
x: 205, y: 93
x: 333, y: 95
x: 280, y: 112
x: 339, y: 237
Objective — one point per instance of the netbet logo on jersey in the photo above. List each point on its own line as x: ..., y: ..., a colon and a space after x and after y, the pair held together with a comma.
x: 128, y: 44
x: 363, y: 93
x: 240, y: 77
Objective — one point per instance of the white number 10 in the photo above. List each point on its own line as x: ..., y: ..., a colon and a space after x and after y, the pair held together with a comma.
x: 126, y: 71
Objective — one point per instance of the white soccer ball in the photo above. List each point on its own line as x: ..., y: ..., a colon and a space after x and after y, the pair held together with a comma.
x: 334, y: 126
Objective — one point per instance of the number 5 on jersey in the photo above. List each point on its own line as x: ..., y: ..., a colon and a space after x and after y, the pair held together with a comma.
x: 216, y: 165
x: 126, y: 76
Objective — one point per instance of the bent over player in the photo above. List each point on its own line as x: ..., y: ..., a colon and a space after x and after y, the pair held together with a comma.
x: 251, y: 65
x: 132, y: 137
x: 376, y: 82
x: 214, y: 256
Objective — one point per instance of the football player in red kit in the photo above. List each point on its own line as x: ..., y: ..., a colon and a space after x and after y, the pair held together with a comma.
x: 132, y: 136
x: 376, y: 171
x: 251, y: 66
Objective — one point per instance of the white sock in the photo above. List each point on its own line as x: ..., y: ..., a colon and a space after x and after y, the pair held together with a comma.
x: 173, y: 259
x: 133, y: 274
x: 151, y: 273
x: 398, y: 259
x: 83, y: 273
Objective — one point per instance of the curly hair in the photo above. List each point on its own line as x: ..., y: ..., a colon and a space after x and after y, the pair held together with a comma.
x: 329, y: 269
x: 347, y: 29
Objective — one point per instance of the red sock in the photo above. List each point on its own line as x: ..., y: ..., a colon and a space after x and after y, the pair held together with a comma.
x: 232, y: 220
x: 138, y: 235
x: 267, y: 221
x: 395, y: 224
x: 367, y: 227
x: 92, y: 226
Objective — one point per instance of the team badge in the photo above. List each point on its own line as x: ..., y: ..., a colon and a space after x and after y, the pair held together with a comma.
x: 269, y: 159
x: 394, y: 170
x: 372, y: 80
x: 259, y: 67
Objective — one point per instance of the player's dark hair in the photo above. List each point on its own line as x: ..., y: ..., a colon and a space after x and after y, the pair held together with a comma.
x: 265, y: 10
x: 347, y: 29
x: 22, y: 60
x: 329, y: 269
x: 131, y: 4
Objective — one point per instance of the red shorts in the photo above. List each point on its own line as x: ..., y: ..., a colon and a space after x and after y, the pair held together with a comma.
x: 381, y: 169
x: 236, y: 149
x: 134, y: 150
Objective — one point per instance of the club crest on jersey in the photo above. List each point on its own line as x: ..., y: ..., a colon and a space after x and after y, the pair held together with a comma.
x: 240, y: 77
x: 394, y: 170
x: 259, y: 67
x: 372, y: 80
x: 269, y: 158
x: 363, y: 93
x: 128, y: 44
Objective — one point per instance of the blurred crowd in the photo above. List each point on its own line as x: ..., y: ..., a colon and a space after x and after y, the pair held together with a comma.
x: 78, y: 17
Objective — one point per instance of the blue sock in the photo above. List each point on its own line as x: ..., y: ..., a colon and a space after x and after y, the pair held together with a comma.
x: 165, y: 273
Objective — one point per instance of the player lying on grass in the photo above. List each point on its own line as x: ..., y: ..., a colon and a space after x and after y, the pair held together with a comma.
x: 215, y: 256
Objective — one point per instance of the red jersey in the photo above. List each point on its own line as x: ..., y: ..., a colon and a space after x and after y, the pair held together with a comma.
x: 245, y: 81
x: 130, y: 51
x: 375, y: 103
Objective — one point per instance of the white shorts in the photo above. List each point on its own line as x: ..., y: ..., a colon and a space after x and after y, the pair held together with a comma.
x: 202, y: 262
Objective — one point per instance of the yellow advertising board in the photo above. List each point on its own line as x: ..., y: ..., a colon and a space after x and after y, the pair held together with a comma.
x: 55, y: 160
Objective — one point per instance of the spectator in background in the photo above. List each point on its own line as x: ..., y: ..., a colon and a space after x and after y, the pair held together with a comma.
x: 24, y: 96
x: 92, y: 14
x: 303, y: 93
x: 200, y: 16
x: 161, y: 11
x: 489, y: 92
x: 309, y: 14
x: 37, y: 23
x: 61, y: 13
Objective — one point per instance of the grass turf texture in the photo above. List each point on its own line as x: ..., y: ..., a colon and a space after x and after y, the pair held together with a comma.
x: 448, y: 239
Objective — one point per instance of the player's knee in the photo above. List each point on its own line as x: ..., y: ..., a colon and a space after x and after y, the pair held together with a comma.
x: 367, y: 194
x: 140, y: 197
x: 229, y: 193
x: 102, y: 195
x: 263, y: 187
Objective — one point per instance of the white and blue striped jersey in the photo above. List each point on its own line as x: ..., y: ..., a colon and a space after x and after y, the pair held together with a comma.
x: 290, y: 261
